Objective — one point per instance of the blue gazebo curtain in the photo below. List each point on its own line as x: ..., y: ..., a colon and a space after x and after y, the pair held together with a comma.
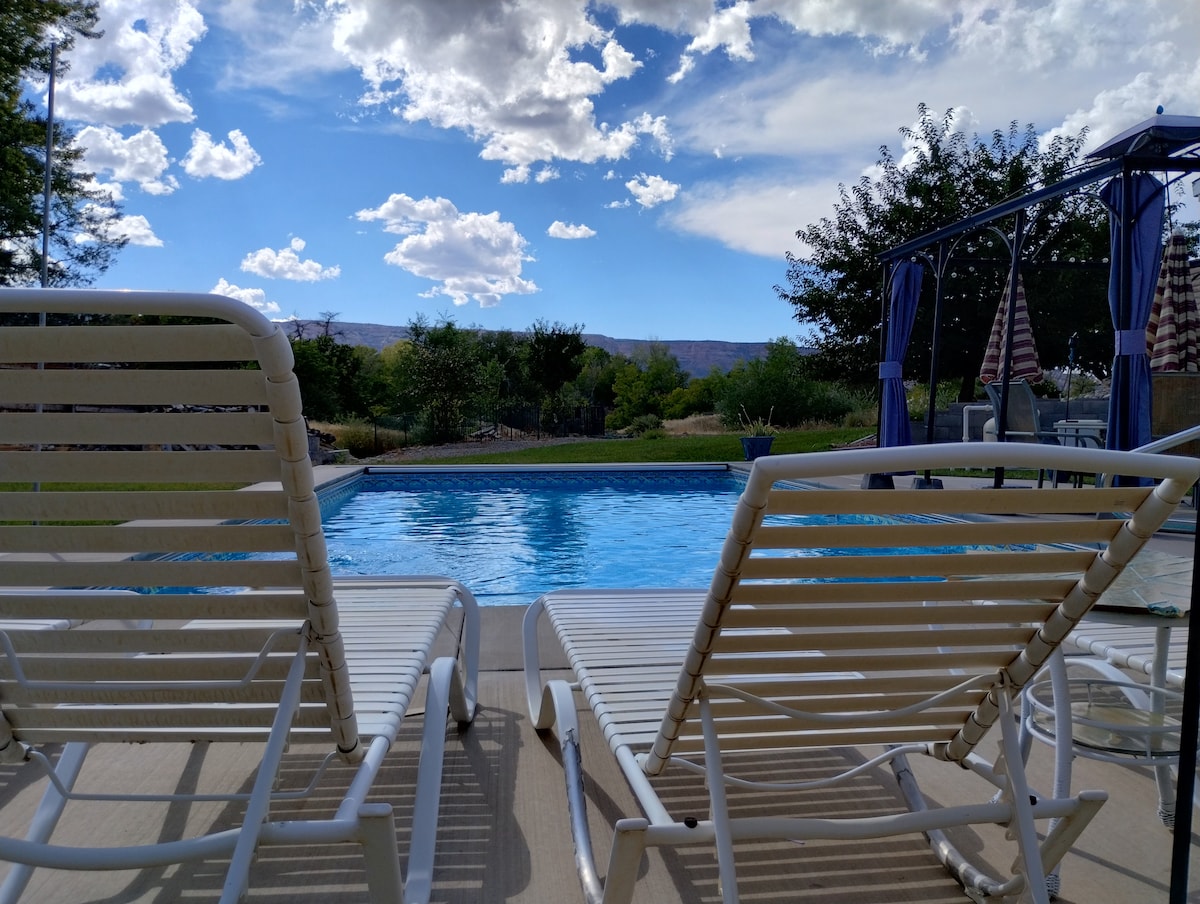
x: 1136, y: 204
x: 894, y: 429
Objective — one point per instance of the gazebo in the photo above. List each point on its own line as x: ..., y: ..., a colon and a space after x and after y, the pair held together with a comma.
x: 1136, y: 201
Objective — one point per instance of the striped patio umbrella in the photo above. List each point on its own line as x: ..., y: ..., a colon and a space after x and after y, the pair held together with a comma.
x: 1025, y: 365
x: 1173, y: 332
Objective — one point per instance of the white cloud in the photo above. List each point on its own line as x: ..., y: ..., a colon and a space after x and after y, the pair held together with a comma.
x: 546, y: 174
x: 140, y: 158
x: 469, y: 255
x: 256, y: 298
x: 136, y: 228
x: 221, y: 161
x: 728, y: 28
x: 650, y: 191
x: 687, y: 63
x: 521, y: 83
x: 285, y: 46
x: 1109, y: 71
x: 757, y: 216
x: 286, y: 264
x: 897, y: 24
x: 560, y: 230
x: 126, y: 76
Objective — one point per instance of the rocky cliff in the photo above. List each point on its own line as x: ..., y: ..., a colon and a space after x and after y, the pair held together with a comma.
x: 697, y: 357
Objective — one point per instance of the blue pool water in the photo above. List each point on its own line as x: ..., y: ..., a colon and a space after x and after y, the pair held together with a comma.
x: 511, y: 536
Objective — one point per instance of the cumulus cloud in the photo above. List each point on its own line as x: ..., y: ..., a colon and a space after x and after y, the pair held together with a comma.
x: 522, y: 83
x: 126, y: 77
x: 560, y: 230
x: 256, y: 298
x: 140, y: 158
x: 221, y: 161
x: 469, y: 255
x: 286, y: 264
x: 650, y: 191
x: 136, y: 228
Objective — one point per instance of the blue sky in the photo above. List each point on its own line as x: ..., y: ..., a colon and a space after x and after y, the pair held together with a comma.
x: 638, y: 167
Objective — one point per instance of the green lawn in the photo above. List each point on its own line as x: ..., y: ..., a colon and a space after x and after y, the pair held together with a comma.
x: 725, y: 447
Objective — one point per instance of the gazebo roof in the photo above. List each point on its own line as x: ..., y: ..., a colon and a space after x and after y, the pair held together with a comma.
x: 1166, y: 143
x: 1160, y: 136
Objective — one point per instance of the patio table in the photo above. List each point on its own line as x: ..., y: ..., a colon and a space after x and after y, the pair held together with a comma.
x: 1110, y: 717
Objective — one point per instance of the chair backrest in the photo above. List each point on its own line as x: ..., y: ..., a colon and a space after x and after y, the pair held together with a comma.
x: 1023, y: 416
x: 849, y: 617
x: 160, y: 447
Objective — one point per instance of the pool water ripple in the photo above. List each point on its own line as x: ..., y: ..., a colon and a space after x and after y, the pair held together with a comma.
x: 510, y: 540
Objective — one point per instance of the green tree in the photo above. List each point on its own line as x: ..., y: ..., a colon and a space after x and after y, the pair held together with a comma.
x: 440, y: 373
x: 505, y: 380
x: 698, y: 397
x: 82, y: 241
x: 945, y: 175
x: 554, y: 356
x: 598, y: 370
x: 337, y: 381
x: 643, y: 385
x: 779, y: 387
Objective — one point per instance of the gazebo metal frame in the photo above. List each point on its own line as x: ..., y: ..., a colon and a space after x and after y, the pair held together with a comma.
x: 1161, y: 144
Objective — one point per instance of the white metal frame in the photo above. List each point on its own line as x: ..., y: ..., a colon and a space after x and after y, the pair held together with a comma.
x: 302, y: 657
x: 656, y: 647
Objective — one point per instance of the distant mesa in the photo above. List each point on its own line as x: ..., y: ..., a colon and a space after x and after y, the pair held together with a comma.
x: 697, y: 357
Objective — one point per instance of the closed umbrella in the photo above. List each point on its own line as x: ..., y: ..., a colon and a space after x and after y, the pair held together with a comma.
x: 1025, y: 365
x: 1171, y: 334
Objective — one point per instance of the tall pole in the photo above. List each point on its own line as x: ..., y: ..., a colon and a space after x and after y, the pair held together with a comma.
x: 47, y: 192
x: 47, y: 189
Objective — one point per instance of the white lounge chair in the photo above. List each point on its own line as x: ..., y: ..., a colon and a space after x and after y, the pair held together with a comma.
x: 182, y: 414
x: 867, y: 626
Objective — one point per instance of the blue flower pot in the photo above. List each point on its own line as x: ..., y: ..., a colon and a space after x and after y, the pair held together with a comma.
x: 754, y: 446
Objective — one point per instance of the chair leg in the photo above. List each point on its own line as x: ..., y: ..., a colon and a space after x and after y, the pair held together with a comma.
x: 726, y: 870
x: 629, y: 843
x: 66, y: 770
x: 442, y: 686
x: 1029, y: 860
x: 237, y: 878
x: 385, y: 884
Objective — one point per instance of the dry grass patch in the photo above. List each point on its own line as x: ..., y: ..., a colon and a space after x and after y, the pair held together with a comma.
x: 695, y: 425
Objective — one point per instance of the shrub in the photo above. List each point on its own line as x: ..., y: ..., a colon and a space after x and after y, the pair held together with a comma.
x: 644, y: 423
x: 363, y: 439
x: 918, y: 399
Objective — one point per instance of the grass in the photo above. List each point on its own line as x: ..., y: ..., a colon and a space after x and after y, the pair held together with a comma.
x: 721, y: 447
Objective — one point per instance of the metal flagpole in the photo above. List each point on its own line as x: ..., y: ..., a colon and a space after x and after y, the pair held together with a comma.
x: 49, y: 182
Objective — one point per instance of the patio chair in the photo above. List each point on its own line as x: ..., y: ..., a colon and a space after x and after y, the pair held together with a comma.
x: 1024, y: 422
x: 856, y: 625
x: 182, y: 415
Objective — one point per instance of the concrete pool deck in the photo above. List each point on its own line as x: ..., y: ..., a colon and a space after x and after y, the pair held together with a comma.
x: 504, y: 836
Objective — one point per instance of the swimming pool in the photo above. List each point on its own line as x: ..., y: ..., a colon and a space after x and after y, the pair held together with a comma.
x: 511, y: 535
